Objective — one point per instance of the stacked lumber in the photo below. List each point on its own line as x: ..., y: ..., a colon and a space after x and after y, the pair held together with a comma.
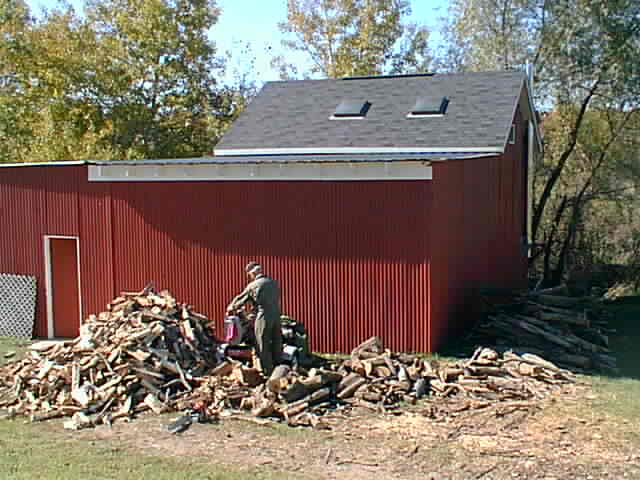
x: 572, y: 332
x: 376, y: 379
x: 139, y: 355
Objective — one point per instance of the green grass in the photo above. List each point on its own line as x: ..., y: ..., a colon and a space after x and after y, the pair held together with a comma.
x: 30, y: 451
x: 8, y: 344
x: 625, y: 342
x: 27, y: 451
x: 619, y: 395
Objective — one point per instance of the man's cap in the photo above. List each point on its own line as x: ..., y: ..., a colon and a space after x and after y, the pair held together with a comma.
x: 252, y: 266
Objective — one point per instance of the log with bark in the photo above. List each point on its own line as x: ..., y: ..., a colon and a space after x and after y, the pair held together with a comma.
x: 142, y: 353
x: 149, y: 353
x: 571, y: 331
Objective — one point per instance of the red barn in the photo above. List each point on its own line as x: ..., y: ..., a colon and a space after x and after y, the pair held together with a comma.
x: 380, y: 204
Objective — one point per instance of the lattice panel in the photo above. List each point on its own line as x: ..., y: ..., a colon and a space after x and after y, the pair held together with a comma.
x: 17, y: 305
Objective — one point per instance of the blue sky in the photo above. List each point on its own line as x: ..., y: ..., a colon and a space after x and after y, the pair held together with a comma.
x: 255, y: 23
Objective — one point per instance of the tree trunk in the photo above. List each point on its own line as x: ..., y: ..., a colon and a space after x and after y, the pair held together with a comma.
x: 557, y: 170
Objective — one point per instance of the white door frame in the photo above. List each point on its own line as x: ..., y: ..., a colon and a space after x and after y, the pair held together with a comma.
x: 49, y: 280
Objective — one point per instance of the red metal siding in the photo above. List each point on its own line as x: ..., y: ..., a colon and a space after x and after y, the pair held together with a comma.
x: 34, y: 202
x: 351, y: 257
x: 21, y: 204
x: 96, y: 245
x: 446, y: 247
x: 61, y: 200
x: 354, y: 259
x: 476, y: 236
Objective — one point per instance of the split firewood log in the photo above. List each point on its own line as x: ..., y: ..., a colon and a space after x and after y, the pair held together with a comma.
x: 294, y: 392
x: 348, y: 386
x: 372, y: 345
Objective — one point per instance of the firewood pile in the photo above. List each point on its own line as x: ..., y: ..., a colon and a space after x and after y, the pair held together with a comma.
x: 570, y: 331
x: 148, y: 352
x: 379, y: 380
x: 139, y: 355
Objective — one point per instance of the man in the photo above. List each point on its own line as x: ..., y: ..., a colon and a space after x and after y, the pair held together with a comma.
x: 264, y: 294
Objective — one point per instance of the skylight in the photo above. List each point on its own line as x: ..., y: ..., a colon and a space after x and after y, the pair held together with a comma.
x: 429, y: 106
x: 351, y: 109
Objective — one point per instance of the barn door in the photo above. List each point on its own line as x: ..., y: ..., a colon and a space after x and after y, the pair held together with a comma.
x: 63, y: 286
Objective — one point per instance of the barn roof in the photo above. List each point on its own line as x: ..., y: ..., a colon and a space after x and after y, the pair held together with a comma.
x: 455, y: 113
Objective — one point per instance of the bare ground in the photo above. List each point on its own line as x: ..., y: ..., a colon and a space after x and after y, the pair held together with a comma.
x: 579, y: 433
x: 558, y: 438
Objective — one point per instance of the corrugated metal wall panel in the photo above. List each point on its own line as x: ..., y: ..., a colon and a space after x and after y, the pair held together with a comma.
x: 447, y: 247
x: 354, y: 259
x: 478, y: 213
x: 25, y: 213
x: 381, y: 237
x: 34, y: 202
x: 96, y: 253
x: 25, y: 210
x: 305, y: 230
x: 62, y: 197
x: 396, y: 259
x: 351, y: 258
x: 518, y: 201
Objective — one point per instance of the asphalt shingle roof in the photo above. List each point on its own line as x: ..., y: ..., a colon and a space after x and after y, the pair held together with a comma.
x: 296, y: 114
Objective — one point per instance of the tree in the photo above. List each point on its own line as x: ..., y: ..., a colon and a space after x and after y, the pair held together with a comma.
x: 491, y: 34
x: 127, y: 79
x: 584, y: 53
x: 14, y: 20
x: 354, y: 37
x: 594, y: 193
x: 154, y: 63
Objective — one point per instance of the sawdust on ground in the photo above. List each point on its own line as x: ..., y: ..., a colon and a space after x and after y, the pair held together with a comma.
x: 558, y: 439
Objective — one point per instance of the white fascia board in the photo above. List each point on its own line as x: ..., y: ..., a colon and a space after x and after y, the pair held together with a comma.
x: 224, y: 152
x: 425, y: 115
x: 532, y: 111
x: 360, y: 171
x: 513, y: 112
x: 48, y: 285
x: 44, y: 164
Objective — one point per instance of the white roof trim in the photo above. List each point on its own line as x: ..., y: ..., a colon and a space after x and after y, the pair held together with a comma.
x: 43, y: 164
x: 532, y: 111
x: 336, y: 150
x: 523, y: 85
x: 358, y: 171
x: 533, y: 114
x: 425, y: 115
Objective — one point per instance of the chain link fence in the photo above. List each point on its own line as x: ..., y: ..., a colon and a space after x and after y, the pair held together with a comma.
x: 17, y: 305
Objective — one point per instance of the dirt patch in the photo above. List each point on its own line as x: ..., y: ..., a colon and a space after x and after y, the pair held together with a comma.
x: 559, y: 439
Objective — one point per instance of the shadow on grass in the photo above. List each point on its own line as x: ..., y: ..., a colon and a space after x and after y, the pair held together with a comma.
x: 624, y: 342
x: 460, y: 348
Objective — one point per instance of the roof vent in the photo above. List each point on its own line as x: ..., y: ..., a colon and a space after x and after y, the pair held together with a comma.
x: 351, y: 109
x: 429, y: 107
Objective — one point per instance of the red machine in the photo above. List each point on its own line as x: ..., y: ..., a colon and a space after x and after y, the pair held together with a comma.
x: 236, y: 330
x: 239, y: 337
